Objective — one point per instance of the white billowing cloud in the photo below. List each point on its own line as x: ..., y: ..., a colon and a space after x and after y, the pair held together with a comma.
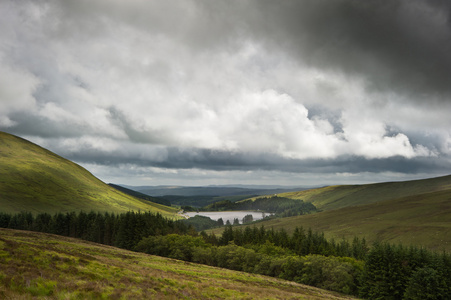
x: 273, y: 122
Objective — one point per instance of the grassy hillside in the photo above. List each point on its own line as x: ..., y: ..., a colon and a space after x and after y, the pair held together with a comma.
x: 42, y: 265
x: 333, y: 197
x: 422, y: 220
x: 412, y: 212
x: 36, y: 180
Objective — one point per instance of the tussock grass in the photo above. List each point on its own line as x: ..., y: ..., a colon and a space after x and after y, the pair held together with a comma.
x: 53, y: 267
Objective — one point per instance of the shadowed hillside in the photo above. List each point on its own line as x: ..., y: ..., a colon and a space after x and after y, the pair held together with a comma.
x: 333, y: 197
x: 36, y: 180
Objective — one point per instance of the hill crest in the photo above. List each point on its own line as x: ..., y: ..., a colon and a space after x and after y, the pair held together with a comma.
x: 36, y: 180
x: 339, y: 196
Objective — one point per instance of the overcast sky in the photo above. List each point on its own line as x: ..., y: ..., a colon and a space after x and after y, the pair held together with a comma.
x: 197, y: 92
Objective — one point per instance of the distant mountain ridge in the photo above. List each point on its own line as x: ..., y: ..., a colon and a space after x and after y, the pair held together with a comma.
x: 140, y: 195
x: 36, y: 180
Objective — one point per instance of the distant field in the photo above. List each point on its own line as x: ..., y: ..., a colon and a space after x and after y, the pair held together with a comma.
x: 36, y: 180
x: 47, y: 266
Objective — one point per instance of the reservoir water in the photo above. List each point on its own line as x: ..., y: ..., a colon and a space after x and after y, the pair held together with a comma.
x: 228, y: 215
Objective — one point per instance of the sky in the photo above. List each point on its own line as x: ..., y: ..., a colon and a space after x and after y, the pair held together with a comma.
x: 202, y: 92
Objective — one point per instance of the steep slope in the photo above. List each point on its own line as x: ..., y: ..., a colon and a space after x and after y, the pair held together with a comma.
x: 333, y: 197
x: 52, y: 267
x: 36, y: 180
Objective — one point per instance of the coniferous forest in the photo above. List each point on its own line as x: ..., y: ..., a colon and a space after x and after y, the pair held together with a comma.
x: 378, y: 271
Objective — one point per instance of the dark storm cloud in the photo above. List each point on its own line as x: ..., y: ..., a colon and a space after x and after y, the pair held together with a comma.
x: 397, y: 45
x: 207, y: 159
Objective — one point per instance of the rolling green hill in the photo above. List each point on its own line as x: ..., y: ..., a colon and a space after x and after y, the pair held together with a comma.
x: 421, y: 220
x: 412, y: 212
x: 36, y: 180
x: 36, y: 265
x: 338, y: 196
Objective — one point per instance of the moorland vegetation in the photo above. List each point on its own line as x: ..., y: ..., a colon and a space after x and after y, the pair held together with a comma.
x: 44, y: 266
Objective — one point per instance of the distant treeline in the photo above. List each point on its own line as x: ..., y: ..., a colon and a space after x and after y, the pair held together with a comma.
x: 280, y: 206
x: 382, y: 271
x: 190, y: 201
x: 301, y: 242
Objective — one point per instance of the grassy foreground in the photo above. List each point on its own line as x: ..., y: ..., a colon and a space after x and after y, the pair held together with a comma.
x: 53, y: 267
x: 36, y: 180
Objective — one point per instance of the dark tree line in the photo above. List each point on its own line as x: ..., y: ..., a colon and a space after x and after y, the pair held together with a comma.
x: 301, y: 242
x: 121, y: 230
x: 399, y: 272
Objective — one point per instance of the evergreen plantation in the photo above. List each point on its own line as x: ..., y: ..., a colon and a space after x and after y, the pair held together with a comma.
x: 380, y: 271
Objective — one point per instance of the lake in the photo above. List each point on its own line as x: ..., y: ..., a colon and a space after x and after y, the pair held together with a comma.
x: 228, y: 215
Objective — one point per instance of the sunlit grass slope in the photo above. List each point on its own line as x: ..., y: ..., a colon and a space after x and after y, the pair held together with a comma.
x: 333, y: 197
x: 52, y: 267
x: 422, y: 220
x: 412, y: 212
x: 35, y: 180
